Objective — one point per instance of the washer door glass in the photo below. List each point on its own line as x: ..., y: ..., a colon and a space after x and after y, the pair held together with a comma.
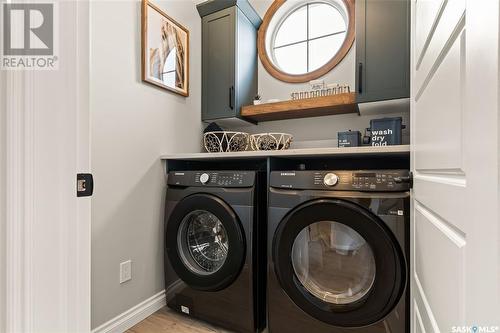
x: 203, y: 242
x: 333, y: 262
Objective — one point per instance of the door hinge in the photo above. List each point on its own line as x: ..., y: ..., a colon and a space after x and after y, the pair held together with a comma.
x: 84, y: 185
x: 405, y: 180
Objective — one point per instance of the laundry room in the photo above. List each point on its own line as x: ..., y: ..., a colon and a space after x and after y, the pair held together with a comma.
x: 206, y: 119
x: 248, y: 166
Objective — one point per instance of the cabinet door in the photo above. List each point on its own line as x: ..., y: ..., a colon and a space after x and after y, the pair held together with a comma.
x: 218, y: 96
x: 246, y: 61
x: 382, y: 50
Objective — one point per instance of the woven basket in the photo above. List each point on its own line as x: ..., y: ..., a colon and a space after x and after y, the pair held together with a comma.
x: 271, y: 141
x: 225, y: 141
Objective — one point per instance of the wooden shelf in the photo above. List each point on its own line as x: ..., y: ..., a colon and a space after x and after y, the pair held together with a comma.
x: 302, y: 108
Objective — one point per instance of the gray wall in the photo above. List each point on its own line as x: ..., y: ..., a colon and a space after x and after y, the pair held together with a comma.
x: 133, y: 123
x: 321, y: 131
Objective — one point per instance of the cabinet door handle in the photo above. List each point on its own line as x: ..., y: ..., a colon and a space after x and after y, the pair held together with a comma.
x: 360, y: 78
x: 231, y: 97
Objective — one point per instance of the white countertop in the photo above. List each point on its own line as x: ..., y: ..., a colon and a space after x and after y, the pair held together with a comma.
x: 305, y: 152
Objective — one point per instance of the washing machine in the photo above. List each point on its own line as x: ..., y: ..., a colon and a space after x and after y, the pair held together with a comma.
x: 214, y: 256
x: 338, y: 251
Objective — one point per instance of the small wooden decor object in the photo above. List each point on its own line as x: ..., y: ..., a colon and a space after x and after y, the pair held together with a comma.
x: 302, y: 108
x: 335, y: 89
x: 165, y: 50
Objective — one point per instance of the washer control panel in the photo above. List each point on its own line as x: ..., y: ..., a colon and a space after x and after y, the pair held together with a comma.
x: 341, y: 180
x: 212, y: 178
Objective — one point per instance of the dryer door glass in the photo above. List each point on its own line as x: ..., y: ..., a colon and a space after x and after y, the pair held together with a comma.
x: 203, y: 242
x: 339, y: 262
x: 333, y: 262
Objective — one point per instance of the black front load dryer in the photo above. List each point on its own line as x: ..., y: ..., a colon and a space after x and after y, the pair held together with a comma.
x: 214, y: 269
x: 338, y: 252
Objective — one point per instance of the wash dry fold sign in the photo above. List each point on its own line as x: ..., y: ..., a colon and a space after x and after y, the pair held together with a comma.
x: 379, y: 137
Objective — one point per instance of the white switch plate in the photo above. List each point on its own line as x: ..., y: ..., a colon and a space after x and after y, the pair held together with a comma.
x: 125, y: 271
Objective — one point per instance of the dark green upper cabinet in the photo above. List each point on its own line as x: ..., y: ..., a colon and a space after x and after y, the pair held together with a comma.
x: 382, y: 50
x: 229, y: 58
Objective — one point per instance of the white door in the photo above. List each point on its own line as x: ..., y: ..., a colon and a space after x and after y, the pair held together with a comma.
x: 455, y: 160
x: 47, y: 227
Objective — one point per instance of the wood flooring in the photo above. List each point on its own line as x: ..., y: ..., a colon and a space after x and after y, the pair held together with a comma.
x: 166, y: 320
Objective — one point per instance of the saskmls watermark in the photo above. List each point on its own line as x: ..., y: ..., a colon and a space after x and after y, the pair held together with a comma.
x: 30, y: 36
x: 475, y: 329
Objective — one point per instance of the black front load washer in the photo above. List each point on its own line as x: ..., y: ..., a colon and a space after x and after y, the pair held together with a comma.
x: 214, y: 264
x: 338, y: 252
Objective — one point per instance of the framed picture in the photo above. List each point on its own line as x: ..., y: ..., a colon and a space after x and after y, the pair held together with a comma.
x: 165, y: 50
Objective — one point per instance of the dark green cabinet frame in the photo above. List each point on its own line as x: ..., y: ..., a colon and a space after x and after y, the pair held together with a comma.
x: 382, y: 50
x: 229, y: 58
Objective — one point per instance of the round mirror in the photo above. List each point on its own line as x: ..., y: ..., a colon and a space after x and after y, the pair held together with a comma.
x: 302, y: 40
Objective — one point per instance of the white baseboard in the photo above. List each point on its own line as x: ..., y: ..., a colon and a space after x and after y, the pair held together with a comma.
x: 134, y: 315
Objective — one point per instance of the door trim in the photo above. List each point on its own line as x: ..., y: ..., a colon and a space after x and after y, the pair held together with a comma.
x: 24, y: 155
x: 19, y: 202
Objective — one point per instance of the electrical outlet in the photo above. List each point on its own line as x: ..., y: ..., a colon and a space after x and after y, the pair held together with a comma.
x: 125, y: 271
x: 185, y: 309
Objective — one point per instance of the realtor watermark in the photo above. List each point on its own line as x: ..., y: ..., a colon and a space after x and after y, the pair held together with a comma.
x: 30, y: 36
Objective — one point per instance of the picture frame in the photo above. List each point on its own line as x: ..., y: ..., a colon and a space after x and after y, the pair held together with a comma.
x: 164, y: 50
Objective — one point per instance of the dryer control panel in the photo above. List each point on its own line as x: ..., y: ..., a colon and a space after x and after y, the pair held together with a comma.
x: 341, y: 180
x: 212, y: 178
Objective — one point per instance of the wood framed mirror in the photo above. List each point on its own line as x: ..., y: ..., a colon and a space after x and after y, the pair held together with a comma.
x: 300, y: 41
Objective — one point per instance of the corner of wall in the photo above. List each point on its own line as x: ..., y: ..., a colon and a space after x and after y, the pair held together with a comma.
x: 132, y: 125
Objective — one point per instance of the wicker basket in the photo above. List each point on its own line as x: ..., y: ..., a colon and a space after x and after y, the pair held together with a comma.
x: 271, y: 141
x: 225, y: 141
